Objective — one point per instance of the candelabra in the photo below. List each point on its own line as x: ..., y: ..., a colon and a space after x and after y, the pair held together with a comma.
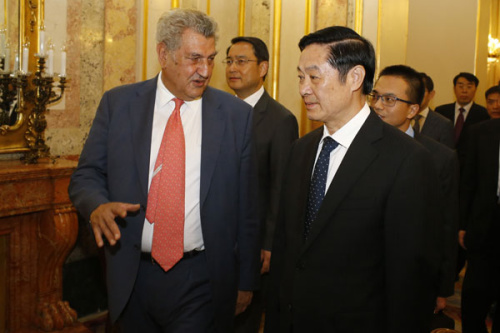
x: 39, y: 94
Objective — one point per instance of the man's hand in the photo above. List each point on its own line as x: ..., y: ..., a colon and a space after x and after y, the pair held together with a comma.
x: 461, y: 236
x: 265, y: 259
x: 440, y: 304
x: 243, y: 301
x: 103, y: 222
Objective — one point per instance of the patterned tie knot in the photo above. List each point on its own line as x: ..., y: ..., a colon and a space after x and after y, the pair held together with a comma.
x: 417, y: 117
x: 329, y: 145
x: 462, y: 110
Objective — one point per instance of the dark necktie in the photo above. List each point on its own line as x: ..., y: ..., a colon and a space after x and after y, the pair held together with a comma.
x: 318, y: 183
x: 459, y: 124
x: 416, y: 125
x: 167, y: 194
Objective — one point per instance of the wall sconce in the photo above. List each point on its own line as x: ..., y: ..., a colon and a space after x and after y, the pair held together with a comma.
x: 493, y: 49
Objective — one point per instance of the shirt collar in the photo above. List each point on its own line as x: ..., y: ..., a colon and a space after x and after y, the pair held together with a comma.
x: 164, y: 96
x: 254, y: 98
x: 410, y: 131
x: 466, y: 107
x: 346, y: 134
x: 424, y: 113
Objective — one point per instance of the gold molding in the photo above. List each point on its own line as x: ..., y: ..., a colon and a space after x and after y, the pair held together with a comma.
x: 145, y: 20
x: 307, y: 28
x: 241, y: 22
x: 174, y: 4
x: 478, y: 27
x: 358, y: 17
x: 379, y: 28
x: 276, y: 48
x: 208, y: 7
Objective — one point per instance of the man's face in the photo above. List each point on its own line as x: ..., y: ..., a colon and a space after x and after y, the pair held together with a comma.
x: 245, y: 79
x: 326, y: 98
x: 464, y: 91
x: 186, y: 71
x: 493, y: 105
x: 400, y: 114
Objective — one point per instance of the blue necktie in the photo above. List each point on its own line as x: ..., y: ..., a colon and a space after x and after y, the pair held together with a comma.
x: 318, y: 183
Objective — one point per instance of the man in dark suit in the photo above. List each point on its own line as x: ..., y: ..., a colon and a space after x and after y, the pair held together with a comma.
x: 464, y: 112
x: 430, y: 123
x: 405, y: 83
x: 274, y: 130
x: 214, y: 258
x: 347, y: 255
x: 480, y: 227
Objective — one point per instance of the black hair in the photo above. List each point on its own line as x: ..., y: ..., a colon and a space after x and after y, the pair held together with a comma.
x: 492, y: 90
x: 416, y: 89
x: 428, y: 83
x: 468, y: 76
x: 347, y: 49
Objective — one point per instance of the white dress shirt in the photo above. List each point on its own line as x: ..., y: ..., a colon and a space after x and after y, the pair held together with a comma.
x: 191, y: 124
x: 344, y: 136
x: 254, y: 98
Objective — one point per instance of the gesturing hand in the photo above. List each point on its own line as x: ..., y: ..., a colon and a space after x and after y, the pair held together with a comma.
x: 103, y: 221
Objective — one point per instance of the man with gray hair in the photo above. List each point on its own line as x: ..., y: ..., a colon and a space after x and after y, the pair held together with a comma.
x: 167, y: 181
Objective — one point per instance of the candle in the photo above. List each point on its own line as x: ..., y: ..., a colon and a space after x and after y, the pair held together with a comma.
x: 26, y: 52
x: 63, y: 61
x: 41, y: 46
x: 2, y: 42
x: 6, y: 66
x: 50, y: 61
x: 16, y: 62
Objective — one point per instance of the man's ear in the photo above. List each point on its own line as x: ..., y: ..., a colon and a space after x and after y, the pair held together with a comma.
x: 161, y: 50
x: 263, y: 68
x: 413, y: 111
x: 356, y: 77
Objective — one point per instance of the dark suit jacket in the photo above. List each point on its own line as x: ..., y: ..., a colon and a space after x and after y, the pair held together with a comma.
x: 439, y: 128
x: 446, y: 163
x: 478, y: 188
x: 275, y: 128
x: 114, y: 166
x: 368, y: 265
x: 477, y: 113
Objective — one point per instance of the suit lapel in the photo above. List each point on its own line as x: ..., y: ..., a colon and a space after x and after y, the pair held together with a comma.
x: 304, y: 179
x: 358, y: 158
x: 141, y: 115
x: 213, y: 125
x: 259, y: 110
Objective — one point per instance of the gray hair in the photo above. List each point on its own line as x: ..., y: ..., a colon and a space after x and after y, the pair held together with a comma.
x: 172, y: 24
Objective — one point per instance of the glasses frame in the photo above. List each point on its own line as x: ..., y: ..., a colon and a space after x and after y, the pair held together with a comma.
x: 375, y: 97
x: 238, y: 62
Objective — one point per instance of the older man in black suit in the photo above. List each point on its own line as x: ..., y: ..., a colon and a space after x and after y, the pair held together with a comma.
x: 274, y: 130
x: 347, y: 255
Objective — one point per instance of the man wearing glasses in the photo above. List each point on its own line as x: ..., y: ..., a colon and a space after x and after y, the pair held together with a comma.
x: 355, y: 243
x: 396, y: 97
x: 274, y: 130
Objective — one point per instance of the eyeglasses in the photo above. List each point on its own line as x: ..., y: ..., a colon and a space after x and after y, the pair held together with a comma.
x: 238, y: 62
x: 387, y: 100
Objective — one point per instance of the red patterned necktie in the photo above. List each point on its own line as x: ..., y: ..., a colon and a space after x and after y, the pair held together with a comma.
x: 166, y: 194
x: 459, y: 124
